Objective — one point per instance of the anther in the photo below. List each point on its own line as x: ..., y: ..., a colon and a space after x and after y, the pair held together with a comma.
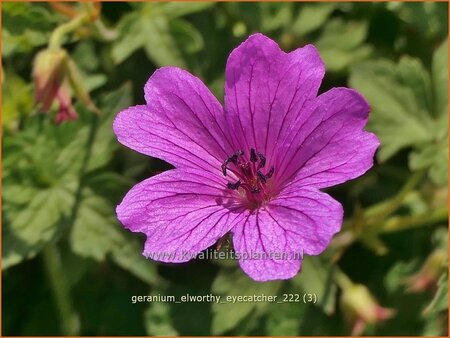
x: 270, y: 173
x: 234, y: 186
x: 233, y: 158
x: 224, y: 168
x: 253, y: 157
x: 262, y: 160
x: 261, y: 176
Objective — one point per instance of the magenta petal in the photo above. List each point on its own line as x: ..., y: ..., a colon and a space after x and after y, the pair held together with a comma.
x: 182, y: 212
x: 266, y: 89
x: 299, y: 221
x: 181, y: 123
x: 328, y: 145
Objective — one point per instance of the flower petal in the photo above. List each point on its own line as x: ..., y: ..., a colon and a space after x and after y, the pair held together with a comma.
x: 182, y: 122
x: 181, y: 211
x: 299, y: 221
x: 327, y: 144
x: 265, y: 89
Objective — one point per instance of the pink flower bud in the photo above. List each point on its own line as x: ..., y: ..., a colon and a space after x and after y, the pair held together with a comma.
x: 427, y: 277
x: 56, y: 79
x: 361, y: 308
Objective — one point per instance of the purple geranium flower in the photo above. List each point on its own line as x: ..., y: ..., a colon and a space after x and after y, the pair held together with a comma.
x: 254, y: 167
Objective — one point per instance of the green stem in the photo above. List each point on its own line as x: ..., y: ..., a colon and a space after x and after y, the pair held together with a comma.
x: 59, y: 33
x: 398, y: 223
x: 60, y: 290
x: 385, y: 208
x: 342, y: 280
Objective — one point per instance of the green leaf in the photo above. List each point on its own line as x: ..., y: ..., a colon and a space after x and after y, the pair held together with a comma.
x: 275, y: 15
x: 429, y: 19
x: 27, y: 228
x: 96, y: 234
x: 41, y: 173
x: 440, y: 79
x: 17, y: 100
x: 342, y: 44
x: 39, y: 187
x: 312, y: 17
x: 187, y: 37
x: 409, y: 109
x: 104, y: 141
x: 231, y: 283
x: 264, y: 17
x: 130, y: 38
x: 432, y: 156
x: 18, y: 16
x: 160, y: 45
x: 178, y: 9
x: 159, y: 30
x: 316, y: 278
x: 158, y: 320
x: 396, y: 115
x: 25, y: 26
x: 284, y: 319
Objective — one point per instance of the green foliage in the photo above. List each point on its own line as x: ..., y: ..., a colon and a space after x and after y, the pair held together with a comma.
x: 61, y: 183
x: 17, y: 100
x: 409, y: 109
x: 158, y: 28
x: 317, y: 278
x: 24, y: 27
x: 342, y: 43
x: 430, y: 19
x: 311, y: 17
x: 229, y: 315
x: 39, y: 190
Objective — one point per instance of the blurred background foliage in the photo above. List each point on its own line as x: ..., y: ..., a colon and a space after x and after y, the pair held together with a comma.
x: 70, y: 268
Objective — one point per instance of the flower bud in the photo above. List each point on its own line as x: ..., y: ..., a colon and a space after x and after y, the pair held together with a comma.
x: 48, y: 74
x: 56, y: 79
x: 427, y: 277
x: 361, y: 308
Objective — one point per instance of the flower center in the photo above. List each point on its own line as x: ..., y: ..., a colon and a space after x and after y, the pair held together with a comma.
x: 252, y: 180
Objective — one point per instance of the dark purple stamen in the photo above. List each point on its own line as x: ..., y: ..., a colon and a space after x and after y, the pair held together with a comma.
x: 253, y: 157
x: 262, y: 160
x: 224, y: 168
x: 261, y: 176
x: 251, y: 179
x: 233, y: 159
x: 234, y: 186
